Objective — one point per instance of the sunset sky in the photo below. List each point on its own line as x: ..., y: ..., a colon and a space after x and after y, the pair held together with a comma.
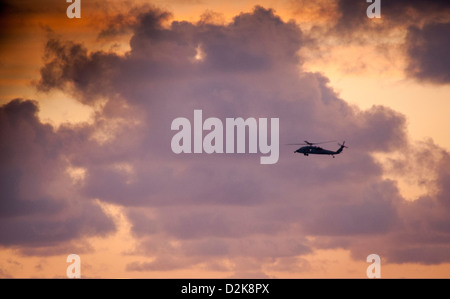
x: 86, y: 107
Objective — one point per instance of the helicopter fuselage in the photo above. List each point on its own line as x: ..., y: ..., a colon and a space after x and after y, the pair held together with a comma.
x: 316, y: 150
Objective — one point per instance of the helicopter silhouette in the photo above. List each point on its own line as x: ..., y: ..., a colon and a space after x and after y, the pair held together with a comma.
x: 312, y: 149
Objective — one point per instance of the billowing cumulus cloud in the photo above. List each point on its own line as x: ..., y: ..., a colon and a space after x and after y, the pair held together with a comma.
x: 225, y: 211
x: 39, y: 203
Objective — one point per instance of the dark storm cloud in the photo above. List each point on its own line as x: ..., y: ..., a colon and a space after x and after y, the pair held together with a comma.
x: 428, y: 49
x: 32, y: 212
x: 178, y: 204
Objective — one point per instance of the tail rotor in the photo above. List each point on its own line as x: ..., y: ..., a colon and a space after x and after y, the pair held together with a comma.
x: 343, y: 144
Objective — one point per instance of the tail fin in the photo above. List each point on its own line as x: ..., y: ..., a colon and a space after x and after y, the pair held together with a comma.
x: 341, y: 148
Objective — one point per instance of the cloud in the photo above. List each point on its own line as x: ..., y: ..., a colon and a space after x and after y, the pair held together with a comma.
x: 417, y: 30
x: 427, y: 48
x: 221, y: 209
x: 37, y: 206
x: 353, y: 17
x: 69, y: 62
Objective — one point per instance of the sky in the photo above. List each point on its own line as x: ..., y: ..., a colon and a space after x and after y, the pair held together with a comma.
x: 86, y: 107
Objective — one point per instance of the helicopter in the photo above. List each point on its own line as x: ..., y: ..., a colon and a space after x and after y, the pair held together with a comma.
x: 312, y: 149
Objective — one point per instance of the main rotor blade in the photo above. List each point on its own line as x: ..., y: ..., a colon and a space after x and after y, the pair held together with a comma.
x: 324, y: 142
x: 310, y: 143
